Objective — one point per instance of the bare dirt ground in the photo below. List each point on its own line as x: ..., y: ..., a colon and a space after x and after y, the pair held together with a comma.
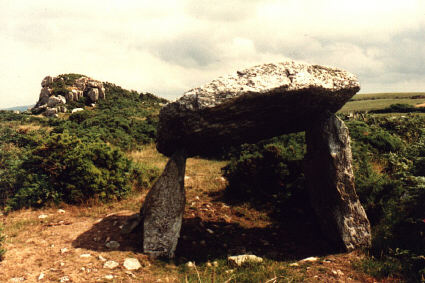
x: 70, y: 246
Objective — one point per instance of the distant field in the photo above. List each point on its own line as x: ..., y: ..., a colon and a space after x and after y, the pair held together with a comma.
x: 374, y: 101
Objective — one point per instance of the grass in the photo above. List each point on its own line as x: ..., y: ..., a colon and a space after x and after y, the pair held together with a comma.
x: 372, y: 101
x: 387, y: 95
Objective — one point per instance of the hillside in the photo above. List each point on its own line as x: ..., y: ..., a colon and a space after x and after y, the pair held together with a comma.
x: 69, y: 184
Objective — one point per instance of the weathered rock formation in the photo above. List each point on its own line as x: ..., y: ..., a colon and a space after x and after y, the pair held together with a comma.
x: 258, y: 103
x: 57, y: 91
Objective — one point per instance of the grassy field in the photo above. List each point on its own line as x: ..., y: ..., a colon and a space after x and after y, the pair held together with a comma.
x: 373, y: 101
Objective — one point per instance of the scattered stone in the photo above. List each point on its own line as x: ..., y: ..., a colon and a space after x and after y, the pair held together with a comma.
x: 64, y: 279
x: 85, y: 255
x: 310, y: 259
x: 210, y: 231
x: 130, y: 274
x: 242, y: 259
x: 132, y: 264
x: 41, y: 276
x: 61, y: 211
x: 215, y: 263
x: 109, y: 277
x: 77, y: 110
x: 64, y: 250
x: 230, y: 271
x: 337, y: 272
x: 62, y: 263
x: 43, y: 216
x: 17, y: 279
x: 209, y: 264
x: 190, y: 264
x: 101, y: 258
x: 112, y: 245
x: 110, y: 264
x: 294, y: 264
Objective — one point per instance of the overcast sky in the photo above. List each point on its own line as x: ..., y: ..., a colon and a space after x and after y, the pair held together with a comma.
x: 167, y: 47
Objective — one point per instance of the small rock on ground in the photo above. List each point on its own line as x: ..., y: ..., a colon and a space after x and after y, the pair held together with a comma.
x: 132, y: 264
x: 239, y: 260
x: 111, y: 264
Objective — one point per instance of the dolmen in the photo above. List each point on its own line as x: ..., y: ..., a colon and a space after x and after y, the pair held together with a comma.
x: 247, y: 106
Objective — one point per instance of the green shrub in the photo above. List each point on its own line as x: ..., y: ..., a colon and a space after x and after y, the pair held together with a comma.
x: 144, y: 175
x: 270, y: 167
x: 66, y: 168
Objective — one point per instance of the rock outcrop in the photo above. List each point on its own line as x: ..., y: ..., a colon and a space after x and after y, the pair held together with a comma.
x: 254, y: 104
x: 63, y: 89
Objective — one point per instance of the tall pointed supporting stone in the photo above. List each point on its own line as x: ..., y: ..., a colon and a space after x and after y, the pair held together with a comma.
x: 330, y: 180
x: 163, y: 209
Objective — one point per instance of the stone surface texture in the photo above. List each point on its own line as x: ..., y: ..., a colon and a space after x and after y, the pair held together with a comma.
x: 260, y: 102
x: 163, y: 209
x: 330, y: 180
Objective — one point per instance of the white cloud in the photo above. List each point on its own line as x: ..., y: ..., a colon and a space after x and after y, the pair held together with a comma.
x: 167, y: 47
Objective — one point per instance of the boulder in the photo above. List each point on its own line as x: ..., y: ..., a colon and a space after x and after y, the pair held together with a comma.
x: 102, y: 93
x: 45, y: 93
x: 163, y: 208
x: 93, y: 94
x: 47, y: 81
x: 56, y: 100
x: 330, y: 181
x: 50, y: 112
x: 77, y: 110
x: 257, y: 103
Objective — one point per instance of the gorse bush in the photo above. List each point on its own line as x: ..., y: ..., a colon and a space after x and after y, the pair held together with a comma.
x: 272, y: 167
x: 68, y: 169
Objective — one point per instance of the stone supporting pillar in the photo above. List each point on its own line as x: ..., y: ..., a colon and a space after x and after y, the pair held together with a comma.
x: 163, y: 209
x: 330, y: 181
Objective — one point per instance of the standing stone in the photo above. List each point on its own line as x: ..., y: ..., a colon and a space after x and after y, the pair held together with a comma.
x: 162, y: 211
x: 330, y: 180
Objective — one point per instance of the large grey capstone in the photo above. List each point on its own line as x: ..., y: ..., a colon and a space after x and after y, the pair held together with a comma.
x: 330, y: 181
x: 257, y: 103
x: 163, y: 209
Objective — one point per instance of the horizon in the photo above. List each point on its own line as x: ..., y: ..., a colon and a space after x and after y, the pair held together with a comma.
x: 166, y: 51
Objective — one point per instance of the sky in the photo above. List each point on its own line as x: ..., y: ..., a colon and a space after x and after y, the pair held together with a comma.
x: 167, y: 47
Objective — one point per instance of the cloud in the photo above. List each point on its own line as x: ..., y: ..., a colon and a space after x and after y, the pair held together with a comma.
x: 168, y: 47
